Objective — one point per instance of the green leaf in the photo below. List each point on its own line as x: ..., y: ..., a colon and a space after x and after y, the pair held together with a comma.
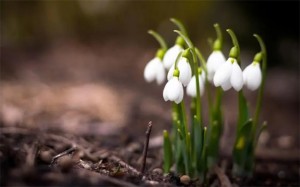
x: 167, y: 152
x: 243, y: 111
x: 243, y: 152
x: 202, y: 168
x: 262, y: 128
x: 198, y: 142
x: 213, y: 143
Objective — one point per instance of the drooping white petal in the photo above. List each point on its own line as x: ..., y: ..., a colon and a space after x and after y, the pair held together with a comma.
x: 214, y: 61
x: 253, y: 76
x: 180, y: 97
x: 223, y: 73
x: 236, y: 78
x: 160, y: 73
x: 203, y: 76
x: 150, y: 70
x: 174, y: 88
x: 171, y: 55
x: 226, y: 85
x: 165, y: 92
x: 191, y: 89
x: 170, y: 72
x: 245, y: 74
x: 185, y: 71
x: 154, y: 70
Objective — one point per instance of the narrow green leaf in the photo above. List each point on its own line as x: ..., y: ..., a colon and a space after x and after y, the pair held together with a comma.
x: 243, y: 151
x: 167, y: 148
x: 262, y: 128
x: 202, y: 167
x: 213, y: 141
x: 243, y: 111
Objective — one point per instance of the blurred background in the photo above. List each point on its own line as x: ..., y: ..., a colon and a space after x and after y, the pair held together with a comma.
x: 78, y: 65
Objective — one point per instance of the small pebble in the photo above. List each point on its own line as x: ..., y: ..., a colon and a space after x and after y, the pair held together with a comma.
x: 65, y: 163
x: 46, y: 156
x: 285, y: 141
x: 185, y: 179
x: 157, y: 171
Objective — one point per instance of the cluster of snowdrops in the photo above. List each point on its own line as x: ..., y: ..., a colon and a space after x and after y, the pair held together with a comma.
x: 194, y: 149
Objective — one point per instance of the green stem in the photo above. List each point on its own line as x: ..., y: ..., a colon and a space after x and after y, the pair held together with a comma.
x: 233, y: 38
x: 167, y: 148
x: 193, y: 51
x: 235, y: 50
x: 159, y: 39
x: 186, y: 38
x: 202, y: 60
x: 179, y: 25
x: 185, y: 141
x: 261, y: 89
x: 219, y: 32
x: 177, y: 59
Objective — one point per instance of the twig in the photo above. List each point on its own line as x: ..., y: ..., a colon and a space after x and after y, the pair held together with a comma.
x: 145, y: 151
x: 225, y: 182
x: 73, y: 148
x: 125, y: 165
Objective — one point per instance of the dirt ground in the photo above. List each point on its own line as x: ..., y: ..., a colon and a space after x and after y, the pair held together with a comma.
x: 90, y: 102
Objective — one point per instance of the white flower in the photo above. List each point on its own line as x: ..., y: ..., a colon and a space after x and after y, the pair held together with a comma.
x: 229, y: 75
x: 155, y: 70
x: 214, y: 61
x: 171, y: 55
x: 185, y: 71
x: 191, y: 88
x: 252, y: 76
x: 173, y: 90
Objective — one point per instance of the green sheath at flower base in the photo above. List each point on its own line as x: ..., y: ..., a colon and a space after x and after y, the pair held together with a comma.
x: 218, y: 43
x: 235, y: 50
x: 180, y: 41
x: 167, y: 152
x: 160, y: 53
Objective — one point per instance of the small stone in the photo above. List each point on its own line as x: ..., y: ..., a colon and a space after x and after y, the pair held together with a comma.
x: 157, y: 171
x: 65, y: 163
x: 185, y: 179
x: 285, y: 141
x: 46, y: 156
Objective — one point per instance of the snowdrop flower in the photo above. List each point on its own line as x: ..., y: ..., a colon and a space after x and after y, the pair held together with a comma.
x: 171, y: 55
x: 214, y: 61
x: 191, y: 88
x: 185, y: 71
x: 252, y: 76
x: 173, y: 90
x: 229, y: 75
x: 155, y: 70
